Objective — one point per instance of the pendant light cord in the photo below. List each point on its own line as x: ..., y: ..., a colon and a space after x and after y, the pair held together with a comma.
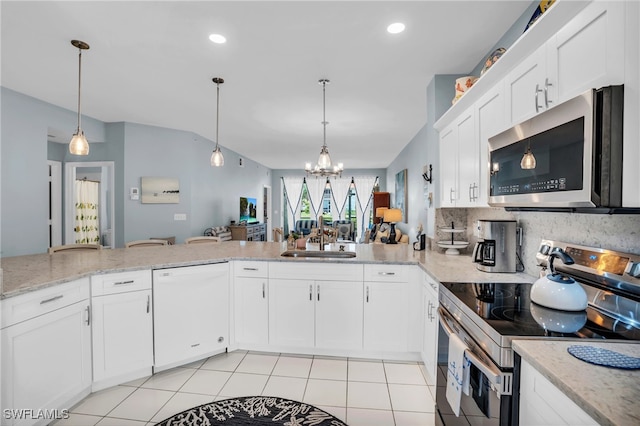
x: 217, y: 111
x: 79, y: 85
x: 324, y: 114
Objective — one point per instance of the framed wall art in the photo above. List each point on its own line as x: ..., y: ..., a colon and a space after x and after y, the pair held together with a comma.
x: 401, y: 193
x: 159, y: 190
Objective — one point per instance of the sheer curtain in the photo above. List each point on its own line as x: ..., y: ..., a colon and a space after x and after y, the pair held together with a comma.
x: 293, y: 190
x: 86, y: 225
x: 316, y: 187
x: 340, y: 190
x: 364, y: 189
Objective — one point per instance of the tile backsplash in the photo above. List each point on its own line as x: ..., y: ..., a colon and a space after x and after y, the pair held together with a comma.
x: 616, y: 232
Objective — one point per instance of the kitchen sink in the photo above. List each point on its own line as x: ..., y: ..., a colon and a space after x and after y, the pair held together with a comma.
x: 318, y: 253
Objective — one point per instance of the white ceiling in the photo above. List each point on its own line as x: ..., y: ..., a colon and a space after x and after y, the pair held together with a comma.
x: 151, y: 62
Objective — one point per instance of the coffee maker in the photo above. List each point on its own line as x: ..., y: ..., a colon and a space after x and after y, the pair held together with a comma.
x: 495, y: 250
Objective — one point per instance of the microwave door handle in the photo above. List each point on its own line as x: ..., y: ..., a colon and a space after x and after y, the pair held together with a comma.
x: 493, y: 374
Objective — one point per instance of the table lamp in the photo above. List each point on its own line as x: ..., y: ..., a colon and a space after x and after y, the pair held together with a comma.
x: 392, y: 216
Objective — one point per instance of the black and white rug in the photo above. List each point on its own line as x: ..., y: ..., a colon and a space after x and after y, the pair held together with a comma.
x: 253, y: 410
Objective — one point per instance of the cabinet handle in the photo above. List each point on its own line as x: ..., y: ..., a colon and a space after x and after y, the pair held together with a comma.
x: 88, y: 310
x: 547, y: 101
x: 538, y: 90
x: 311, y: 292
x: 148, y: 303
x: 367, y: 294
x: 249, y: 269
x: 264, y: 286
x: 123, y: 282
x: 318, y: 292
x: 451, y: 191
x: 60, y: 296
x: 386, y: 273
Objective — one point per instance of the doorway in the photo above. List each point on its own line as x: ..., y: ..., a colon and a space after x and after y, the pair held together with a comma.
x: 102, y: 174
x: 266, y: 206
x: 55, y: 203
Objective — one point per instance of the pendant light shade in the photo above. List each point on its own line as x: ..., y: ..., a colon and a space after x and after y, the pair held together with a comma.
x: 79, y: 144
x: 217, y: 159
x: 528, y: 161
x: 324, y: 166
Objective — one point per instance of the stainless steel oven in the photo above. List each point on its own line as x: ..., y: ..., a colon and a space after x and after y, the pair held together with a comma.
x: 487, y: 317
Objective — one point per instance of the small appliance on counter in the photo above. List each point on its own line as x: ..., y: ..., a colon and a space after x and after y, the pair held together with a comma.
x: 496, y: 249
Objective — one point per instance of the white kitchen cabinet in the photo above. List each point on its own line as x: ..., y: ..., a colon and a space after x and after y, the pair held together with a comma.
x: 251, y: 287
x: 190, y: 313
x: 430, y: 325
x: 321, y: 309
x: 542, y: 403
x: 46, y: 350
x: 459, y: 157
x: 390, y: 299
x: 588, y: 52
x: 490, y: 120
x: 122, y: 327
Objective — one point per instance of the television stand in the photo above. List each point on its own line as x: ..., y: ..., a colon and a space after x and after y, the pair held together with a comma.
x: 249, y: 232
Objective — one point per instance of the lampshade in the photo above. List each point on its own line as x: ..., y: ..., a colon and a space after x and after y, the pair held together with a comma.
x: 79, y: 144
x: 380, y: 211
x: 392, y: 215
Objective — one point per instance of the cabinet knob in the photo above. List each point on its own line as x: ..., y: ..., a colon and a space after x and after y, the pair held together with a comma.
x: 220, y: 339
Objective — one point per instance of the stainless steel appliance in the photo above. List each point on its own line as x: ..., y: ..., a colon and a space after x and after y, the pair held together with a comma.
x: 488, y: 316
x: 496, y: 249
x: 578, y: 156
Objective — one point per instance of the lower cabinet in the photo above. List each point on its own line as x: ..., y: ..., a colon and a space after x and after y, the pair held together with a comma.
x: 251, y: 301
x: 191, y: 313
x: 542, y: 403
x: 46, y: 352
x: 122, y: 327
x: 430, y: 325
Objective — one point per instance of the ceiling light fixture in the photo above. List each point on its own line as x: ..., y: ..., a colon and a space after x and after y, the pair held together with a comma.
x: 217, y: 38
x: 528, y: 161
x: 79, y: 144
x: 217, y: 159
x: 324, y: 167
x: 396, y: 28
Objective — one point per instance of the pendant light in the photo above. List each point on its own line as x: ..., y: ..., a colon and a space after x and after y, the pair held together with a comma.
x: 217, y: 159
x: 528, y: 161
x: 324, y: 167
x: 79, y: 144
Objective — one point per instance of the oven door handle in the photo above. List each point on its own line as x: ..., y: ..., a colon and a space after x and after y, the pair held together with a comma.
x: 493, y: 374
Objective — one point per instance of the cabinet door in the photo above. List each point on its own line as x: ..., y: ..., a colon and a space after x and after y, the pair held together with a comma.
x: 46, y: 361
x: 291, y: 312
x: 468, y: 158
x: 252, y: 310
x: 386, y: 316
x: 430, y: 327
x: 525, y: 86
x: 490, y: 119
x: 338, y: 322
x: 449, y: 167
x: 589, y: 51
x: 122, y: 337
x: 191, y: 313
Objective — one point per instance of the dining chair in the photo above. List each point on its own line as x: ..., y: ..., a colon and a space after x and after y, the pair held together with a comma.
x: 74, y: 247
x: 146, y: 243
x: 201, y: 240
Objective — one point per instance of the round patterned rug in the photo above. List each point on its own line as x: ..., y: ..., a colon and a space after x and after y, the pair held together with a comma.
x: 253, y: 410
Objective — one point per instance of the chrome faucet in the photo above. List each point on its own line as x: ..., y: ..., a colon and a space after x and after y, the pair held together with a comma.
x: 321, y: 229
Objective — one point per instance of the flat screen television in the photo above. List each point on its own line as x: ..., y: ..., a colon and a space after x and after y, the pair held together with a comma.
x: 248, y: 210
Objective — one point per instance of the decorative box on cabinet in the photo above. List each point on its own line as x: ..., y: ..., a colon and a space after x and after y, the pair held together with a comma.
x: 190, y: 313
x: 250, y: 232
x: 46, y: 350
x: 122, y: 327
x: 380, y: 199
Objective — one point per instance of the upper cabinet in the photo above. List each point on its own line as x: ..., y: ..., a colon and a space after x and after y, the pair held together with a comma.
x: 586, y: 53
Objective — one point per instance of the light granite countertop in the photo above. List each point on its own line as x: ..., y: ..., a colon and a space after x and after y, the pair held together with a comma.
x: 27, y: 273
x: 609, y: 395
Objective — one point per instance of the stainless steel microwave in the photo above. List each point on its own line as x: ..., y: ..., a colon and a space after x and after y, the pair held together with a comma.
x: 568, y: 157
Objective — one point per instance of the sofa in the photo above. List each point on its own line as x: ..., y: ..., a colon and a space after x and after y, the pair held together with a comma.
x: 221, y: 233
x: 303, y: 226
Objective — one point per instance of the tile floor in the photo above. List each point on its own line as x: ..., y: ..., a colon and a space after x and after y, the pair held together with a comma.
x: 359, y: 392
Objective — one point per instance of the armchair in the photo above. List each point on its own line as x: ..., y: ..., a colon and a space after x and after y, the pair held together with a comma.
x: 303, y: 226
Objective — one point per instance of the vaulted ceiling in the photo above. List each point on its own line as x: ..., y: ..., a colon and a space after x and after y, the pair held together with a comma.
x: 152, y: 62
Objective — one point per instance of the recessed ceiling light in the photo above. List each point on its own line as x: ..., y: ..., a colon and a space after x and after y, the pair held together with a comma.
x: 396, y: 28
x: 217, y: 38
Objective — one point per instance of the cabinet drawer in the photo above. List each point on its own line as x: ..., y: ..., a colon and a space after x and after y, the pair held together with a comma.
x: 120, y: 282
x: 430, y: 282
x: 387, y: 273
x: 316, y: 271
x: 251, y: 269
x: 39, y: 302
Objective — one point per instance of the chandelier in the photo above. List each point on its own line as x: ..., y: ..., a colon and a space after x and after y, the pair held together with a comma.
x: 324, y: 166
